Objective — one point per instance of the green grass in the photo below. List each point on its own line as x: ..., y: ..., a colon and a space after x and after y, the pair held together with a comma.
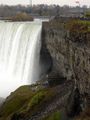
x: 24, y: 101
x: 39, y: 99
x: 87, y: 14
x: 16, y: 100
x: 54, y: 116
x: 81, y: 26
x: 37, y: 102
x: 21, y: 17
x: 84, y: 22
x: 36, y: 99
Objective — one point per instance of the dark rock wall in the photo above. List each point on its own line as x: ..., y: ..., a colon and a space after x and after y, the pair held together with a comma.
x: 70, y: 59
x: 45, y: 59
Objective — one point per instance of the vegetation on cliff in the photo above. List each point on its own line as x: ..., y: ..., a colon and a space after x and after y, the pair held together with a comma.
x: 63, y: 45
x: 25, y: 102
x: 21, y: 17
x: 79, y: 30
x: 87, y: 15
x: 15, y: 101
x: 54, y: 116
x: 78, y: 25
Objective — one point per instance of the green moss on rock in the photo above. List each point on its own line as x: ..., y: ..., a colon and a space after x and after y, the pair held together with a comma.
x: 16, y: 100
x: 25, y: 102
x: 37, y: 99
x: 54, y: 116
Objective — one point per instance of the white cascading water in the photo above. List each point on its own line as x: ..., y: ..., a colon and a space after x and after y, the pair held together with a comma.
x: 19, y: 54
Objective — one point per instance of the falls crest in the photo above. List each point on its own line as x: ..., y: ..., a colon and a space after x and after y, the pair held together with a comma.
x: 19, y: 54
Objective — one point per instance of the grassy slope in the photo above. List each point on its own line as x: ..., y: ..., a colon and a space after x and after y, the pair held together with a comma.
x: 16, y: 100
x: 81, y: 26
x: 54, y: 116
x: 25, y: 101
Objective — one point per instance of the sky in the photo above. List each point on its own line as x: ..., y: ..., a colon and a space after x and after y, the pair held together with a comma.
x: 60, y: 2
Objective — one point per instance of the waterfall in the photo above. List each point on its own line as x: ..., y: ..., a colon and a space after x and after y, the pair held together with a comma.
x: 19, y: 54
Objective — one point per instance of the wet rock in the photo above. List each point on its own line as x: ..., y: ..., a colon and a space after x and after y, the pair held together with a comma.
x: 74, y: 104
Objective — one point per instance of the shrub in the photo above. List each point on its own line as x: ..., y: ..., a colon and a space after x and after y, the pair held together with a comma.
x: 22, y: 17
x: 87, y: 14
x: 78, y: 26
x: 79, y: 30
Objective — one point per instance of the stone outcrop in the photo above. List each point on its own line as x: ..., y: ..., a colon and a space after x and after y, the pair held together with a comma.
x: 1, y: 100
x: 71, y: 59
x: 63, y: 58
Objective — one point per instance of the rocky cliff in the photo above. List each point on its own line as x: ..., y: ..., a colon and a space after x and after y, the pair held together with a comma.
x: 65, y: 89
x: 70, y: 54
x: 1, y: 100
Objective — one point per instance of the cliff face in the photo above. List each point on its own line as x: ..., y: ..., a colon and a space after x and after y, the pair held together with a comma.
x: 71, y: 59
x: 1, y: 100
x: 64, y: 56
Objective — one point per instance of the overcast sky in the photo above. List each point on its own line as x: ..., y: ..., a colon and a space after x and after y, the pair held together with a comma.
x: 60, y: 2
